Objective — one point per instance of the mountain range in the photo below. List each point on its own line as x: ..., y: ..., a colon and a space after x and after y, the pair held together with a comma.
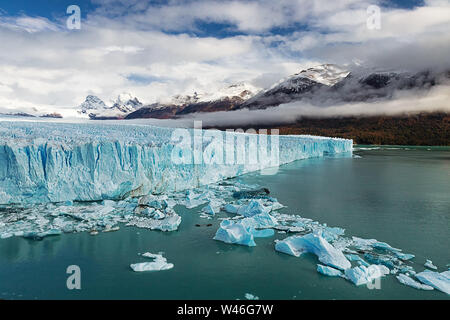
x: 323, y: 85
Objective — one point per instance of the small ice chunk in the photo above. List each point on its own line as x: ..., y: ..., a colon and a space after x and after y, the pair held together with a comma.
x: 361, y: 275
x: 159, y: 263
x: 429, y: 264
x: 354, y: 257
x: 250, y: 296
x: 296, y: 229
x: 231, y: 208
x: 440, y: 281
x: 385, y: 260
x: 404, y: 279
x: 209, y: 210
x: 234, y: 232
x: 326, y: 253
x: 328, y: 271
x: 404, y: 256
x: 331, y: 233
x: 407, y: 269
x: 263, y: 220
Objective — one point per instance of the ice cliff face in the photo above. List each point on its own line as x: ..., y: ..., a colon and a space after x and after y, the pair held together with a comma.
x: 55, y: 162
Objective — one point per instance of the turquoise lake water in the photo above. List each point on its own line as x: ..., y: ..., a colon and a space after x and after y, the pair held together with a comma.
x: 399, y: 195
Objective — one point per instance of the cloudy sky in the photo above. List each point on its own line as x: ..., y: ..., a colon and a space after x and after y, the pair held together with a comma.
x: 155, y: 49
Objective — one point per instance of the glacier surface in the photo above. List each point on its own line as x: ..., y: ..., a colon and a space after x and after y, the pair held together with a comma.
x: 56, y: 162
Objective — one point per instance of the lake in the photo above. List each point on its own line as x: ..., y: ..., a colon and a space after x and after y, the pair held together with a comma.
x: 399, y: 195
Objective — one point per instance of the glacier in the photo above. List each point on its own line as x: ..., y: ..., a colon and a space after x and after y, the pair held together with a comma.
x: 56, y: 162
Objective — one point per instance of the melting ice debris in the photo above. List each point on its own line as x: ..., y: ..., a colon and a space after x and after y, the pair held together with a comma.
x: 234, y: 232
x: 250, y: 296
x: 313, y: 243
x: 404, y: 256
x: 362, y: 275
x: 407, y: 270
x: 209, y: 210
x: 404, y: 279
x: 265, y: 233
x: 328, y: 271
x: 253, y: 208
x: 429, y: 264
x: 330, y: 234
x: 56, y: 162
x: 440, y: 281
x: 230, y: 208
x: 260, y: 221
x: 159, y: 263
x: 354, y: 257
x: 385, y: 260
x: 170, y: 222
x: 369, y: 244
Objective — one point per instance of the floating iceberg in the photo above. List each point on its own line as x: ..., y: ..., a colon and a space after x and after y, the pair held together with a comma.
x: 250, y: 296
x: 265, y: 233
x: 362, y: 275
x: 159, y: 263
x: 260, y: 221
x: 404, y: 256
x: 254, y: 207
x: 354, y: 257
x: 404, y: 279
x: 326, y: 253
x: 328, y: 271
x: 234, y: 232
x: 209, y: 209
x: 429, y: 264
x: 57, y: 162
x: 440, y: 281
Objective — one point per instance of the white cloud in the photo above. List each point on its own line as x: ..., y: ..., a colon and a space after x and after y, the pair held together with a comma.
x: 49, y: 67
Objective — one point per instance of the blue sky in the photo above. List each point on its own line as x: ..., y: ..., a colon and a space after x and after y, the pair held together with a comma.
x: 158, y: 49
x: 55, y: 10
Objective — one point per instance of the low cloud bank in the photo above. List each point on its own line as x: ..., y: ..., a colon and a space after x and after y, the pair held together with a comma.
x: 436, y: 99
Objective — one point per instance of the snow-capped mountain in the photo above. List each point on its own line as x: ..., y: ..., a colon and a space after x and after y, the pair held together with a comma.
x: 331, y: 85
x: 95, y: 108
x: 126, y: 103
x: 226, y: 98
x: 305, y: 82
x: 92, y: 104
x: 241, y: 90
x: 323, y: 85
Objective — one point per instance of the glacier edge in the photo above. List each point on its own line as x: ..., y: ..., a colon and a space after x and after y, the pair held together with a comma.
x: 55, y: 162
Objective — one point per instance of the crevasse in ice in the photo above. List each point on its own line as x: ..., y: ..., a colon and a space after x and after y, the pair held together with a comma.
x: 56, y: 162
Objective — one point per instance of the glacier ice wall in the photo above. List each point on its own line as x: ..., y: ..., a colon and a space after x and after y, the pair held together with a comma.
x: 54, y: 162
